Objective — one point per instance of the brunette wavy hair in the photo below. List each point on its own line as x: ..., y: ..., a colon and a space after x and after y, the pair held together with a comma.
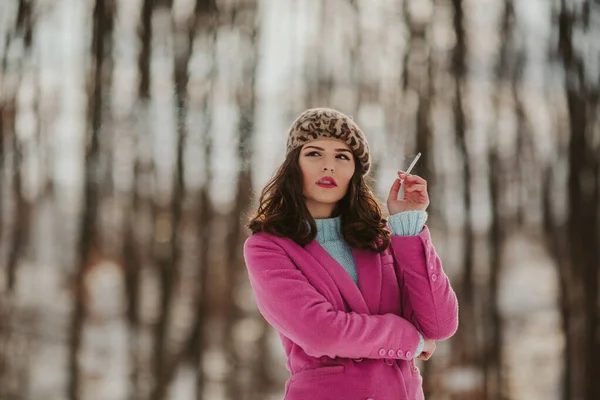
x: 282, y: 210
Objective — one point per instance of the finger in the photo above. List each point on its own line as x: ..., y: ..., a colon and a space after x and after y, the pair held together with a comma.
x: 416, y: 188
x: 394, y: 190
x: 416, y: 179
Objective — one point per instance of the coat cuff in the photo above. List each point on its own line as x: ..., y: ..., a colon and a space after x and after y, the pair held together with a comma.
x: 407, y: 223
x: 421, y: 345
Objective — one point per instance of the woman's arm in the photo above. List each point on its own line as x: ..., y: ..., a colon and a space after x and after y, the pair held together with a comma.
x: 432, y: 305
x: 288, y: 301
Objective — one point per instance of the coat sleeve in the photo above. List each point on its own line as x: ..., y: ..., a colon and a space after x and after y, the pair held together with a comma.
x: 289, y: 303
x: 432, y: 303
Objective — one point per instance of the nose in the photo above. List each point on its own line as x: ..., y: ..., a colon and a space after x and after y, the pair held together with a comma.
x: 325, y: 169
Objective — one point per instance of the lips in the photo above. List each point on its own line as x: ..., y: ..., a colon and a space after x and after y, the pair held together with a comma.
x: 323, y: 185
x: 326, y: 181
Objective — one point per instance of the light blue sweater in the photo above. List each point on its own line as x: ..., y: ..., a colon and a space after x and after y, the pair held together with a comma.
x: 329, y: 236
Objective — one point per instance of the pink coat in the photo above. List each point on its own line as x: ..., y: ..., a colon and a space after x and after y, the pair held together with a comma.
x: 345, y: 341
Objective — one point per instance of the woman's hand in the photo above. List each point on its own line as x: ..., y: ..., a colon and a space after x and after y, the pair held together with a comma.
x: 428, y: 350
x: 416, y: 197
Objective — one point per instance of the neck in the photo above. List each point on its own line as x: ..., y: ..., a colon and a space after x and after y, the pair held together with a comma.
x: 323, y: 214
x: 322, y: 210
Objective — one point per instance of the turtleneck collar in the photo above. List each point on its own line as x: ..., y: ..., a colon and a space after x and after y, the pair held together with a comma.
x: 329, y: 229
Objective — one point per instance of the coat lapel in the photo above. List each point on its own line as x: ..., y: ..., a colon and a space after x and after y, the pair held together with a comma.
x: 341, y: 278
x: 363, y: 298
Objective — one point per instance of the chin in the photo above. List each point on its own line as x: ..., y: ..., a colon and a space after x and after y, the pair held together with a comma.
x: 328, y: 200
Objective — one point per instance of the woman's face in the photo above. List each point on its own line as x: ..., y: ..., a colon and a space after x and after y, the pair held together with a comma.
x: 325, y: 158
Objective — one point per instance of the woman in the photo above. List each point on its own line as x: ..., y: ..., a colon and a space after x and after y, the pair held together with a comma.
x: 354, y: 300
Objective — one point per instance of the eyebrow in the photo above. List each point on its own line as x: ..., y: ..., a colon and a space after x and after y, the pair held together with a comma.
x: 322, y: 149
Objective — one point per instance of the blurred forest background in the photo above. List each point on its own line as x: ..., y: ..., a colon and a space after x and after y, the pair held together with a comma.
x: 136, y: 135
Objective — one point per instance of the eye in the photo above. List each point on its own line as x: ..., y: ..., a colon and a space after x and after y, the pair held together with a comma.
x: 313, y: 152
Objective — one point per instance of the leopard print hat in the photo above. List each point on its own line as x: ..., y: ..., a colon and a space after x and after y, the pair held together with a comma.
x: 327, y: 123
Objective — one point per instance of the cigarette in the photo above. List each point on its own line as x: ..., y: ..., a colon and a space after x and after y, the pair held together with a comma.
x: 412, y: 164
x: 410, y: 167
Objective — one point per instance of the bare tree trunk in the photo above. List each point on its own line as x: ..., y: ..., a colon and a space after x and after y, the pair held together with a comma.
x: 246, y: 100
x: 207, y: 17
x: 4, y: 362
x: 8, y: 105
x: 146, y: 42
x: 319, y: 84
x: 583, y: 247
x: 133, y: 267
x: 88, y: 239
x: 22, y: 215
x: 467, y: 346
x: 493, y: 355
x: 467, y: 289
x: 3, y: 122
x: 168, y: 258
x: 576, y: 243
x: 13, y: 364
x: 418, y: 58
x: 25, y: 21
x: 131, y: 250
x: 21, y: 222
x: 494, y: 384
x: 583, y: 225
x: 356, y: 64
x: 556, y: 242
x: 194, y: 344
x: 205, y: 223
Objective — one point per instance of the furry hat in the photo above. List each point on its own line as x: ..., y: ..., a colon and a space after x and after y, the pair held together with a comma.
x: 327, y: 123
